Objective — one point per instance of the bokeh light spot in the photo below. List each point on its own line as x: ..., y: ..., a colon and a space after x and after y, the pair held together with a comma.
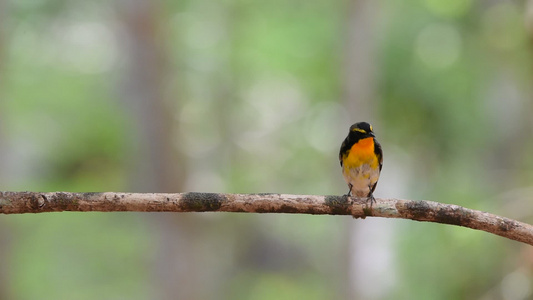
x: 438, y: 45
x: 448, y: 8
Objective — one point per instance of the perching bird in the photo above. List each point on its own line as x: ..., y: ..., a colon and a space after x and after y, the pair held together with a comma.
x: 361, y: 160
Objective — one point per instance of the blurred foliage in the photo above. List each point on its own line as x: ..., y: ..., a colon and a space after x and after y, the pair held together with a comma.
x: 258, y: 88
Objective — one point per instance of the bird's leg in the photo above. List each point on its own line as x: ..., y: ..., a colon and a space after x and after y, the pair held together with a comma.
x: 349, y: 191
x: 371, y: 197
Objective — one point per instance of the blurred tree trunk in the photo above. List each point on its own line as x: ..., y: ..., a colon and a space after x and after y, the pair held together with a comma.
x: 3, y: 16
x: 370, y: 239
x: 4, y: 233
x: 511, y: 114
x: 359, y: 61
x: 157, y: 165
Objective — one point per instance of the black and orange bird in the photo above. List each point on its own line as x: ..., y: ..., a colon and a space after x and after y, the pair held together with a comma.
x: 361, y: 160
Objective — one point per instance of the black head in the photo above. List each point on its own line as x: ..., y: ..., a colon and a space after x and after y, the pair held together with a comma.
x: 361, y: 130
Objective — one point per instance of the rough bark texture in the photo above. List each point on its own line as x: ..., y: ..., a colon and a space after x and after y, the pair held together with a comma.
x: 428, y: 211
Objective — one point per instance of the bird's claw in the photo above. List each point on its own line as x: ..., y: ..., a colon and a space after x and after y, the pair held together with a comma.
x: 371, y: 198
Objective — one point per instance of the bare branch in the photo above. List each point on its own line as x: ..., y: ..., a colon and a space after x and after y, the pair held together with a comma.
x: 427, y: 211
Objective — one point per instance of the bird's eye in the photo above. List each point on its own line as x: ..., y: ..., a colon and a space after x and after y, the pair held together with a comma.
x: 371, y: 128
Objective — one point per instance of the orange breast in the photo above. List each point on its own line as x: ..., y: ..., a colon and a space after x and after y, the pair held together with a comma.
x: 362, y: 152
x: 364, y: 146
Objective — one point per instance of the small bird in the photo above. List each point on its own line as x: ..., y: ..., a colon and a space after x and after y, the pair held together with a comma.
x: 361, y: 160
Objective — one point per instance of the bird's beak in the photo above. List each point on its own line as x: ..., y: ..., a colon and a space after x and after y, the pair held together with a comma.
x: 371, y: 134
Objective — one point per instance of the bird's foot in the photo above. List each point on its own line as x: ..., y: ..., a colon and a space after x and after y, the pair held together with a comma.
x: 371, y: 199
x: 349, y: 194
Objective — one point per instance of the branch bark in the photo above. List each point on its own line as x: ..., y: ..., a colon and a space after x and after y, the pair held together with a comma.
x: 426, y: 211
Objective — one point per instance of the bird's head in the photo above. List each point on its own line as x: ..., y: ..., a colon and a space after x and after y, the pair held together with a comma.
x: 361, y: 130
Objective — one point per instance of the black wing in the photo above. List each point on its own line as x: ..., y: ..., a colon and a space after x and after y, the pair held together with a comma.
x: 345, y: 149
x: 379, y: 153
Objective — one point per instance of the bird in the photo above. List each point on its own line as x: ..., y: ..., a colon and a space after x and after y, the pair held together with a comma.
x: 361, y: 159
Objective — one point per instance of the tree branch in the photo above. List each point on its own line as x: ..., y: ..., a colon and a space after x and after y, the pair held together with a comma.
x: 427, y: 211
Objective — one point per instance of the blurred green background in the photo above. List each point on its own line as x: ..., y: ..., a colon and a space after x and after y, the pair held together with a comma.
x: 249, y: 96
